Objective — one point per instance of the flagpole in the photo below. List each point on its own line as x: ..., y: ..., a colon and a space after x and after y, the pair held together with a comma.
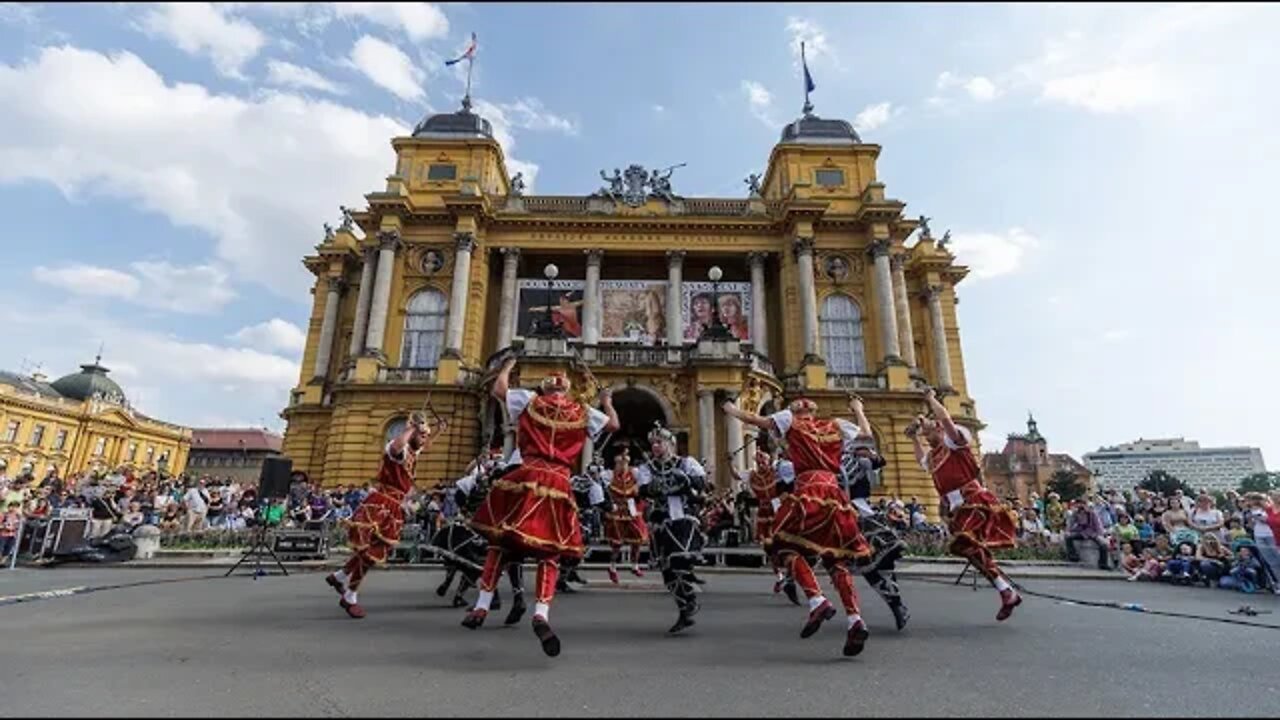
x: 466, y: 99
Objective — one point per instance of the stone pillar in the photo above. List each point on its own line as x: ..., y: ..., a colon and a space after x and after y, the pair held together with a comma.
x: 707, y: 431
x: 465, y: 243
x: 362, y: 303
x: 941, y: 355
x: 879, y: 251
x: 328, y: 327
x: 591, y: 299
x: 906, y: 340
x: 675, y: 270
x: 510, y: 297
x: 733, y: 439
x: 759, y: 322
x: 803, y: 247
x: 389, y: 242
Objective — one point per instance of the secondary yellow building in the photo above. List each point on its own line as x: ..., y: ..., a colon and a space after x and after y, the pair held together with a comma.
x: 80, y: 422
x: 420, y: 294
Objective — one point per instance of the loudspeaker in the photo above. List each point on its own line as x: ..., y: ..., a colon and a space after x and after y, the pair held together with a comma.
x: 275, y: 478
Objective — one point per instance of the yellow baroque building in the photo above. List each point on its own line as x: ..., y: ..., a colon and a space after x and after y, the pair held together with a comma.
x: 82, y: 421
x: 818, y: 294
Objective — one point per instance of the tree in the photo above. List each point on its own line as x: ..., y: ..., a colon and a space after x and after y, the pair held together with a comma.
x: 1163, y: 484
x: 1263, y: 482
x: 1222, y: 502
x: 1066, y: 484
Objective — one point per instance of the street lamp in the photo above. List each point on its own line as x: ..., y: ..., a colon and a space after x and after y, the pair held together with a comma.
x: 550, y: 328
x: 716, y: 330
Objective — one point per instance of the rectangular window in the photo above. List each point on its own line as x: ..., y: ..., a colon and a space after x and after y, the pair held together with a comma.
x: 11, y: 431
x: 442, y: 172
x: 99, y: 447
x: 37, y: 435
x: 133, y: 451
x: 151, y: 453
x: 60, y: 440
x: 829, y: 177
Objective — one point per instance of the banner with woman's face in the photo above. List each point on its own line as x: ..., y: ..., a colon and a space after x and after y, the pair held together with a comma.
x: 633, y: 310
x: 734, y: 300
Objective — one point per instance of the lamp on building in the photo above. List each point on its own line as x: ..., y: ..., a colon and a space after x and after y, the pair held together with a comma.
x: 548, y: 327
x: 716, y: 330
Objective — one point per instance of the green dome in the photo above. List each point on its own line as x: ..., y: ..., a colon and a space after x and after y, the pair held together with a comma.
x: 90, y: 381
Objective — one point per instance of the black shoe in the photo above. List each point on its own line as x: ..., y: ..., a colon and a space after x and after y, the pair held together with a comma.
x: 817, y: 616
x: 474, y: 619
x: 444, y: 588
x: 789, y: 587
x: 575, y: 577
x: 684, y: 621
x: 517, y: 611
x: 855, y: 639
x: 900, y: 614
x: 550, y: 643
x: 564, y: 587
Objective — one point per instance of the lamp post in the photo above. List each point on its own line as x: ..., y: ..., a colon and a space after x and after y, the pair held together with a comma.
x: 549, y: 327
x: 716, y: 330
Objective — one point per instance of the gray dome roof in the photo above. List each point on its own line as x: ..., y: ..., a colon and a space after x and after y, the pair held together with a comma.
x: 462, y: 123
x: 813, y: 129
x: 91, y: 380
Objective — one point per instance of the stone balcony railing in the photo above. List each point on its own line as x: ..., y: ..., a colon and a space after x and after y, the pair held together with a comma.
x: 406, y: 375
x: 855, y: 381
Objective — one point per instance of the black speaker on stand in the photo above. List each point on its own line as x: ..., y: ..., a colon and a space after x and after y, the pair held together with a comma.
x: 273, y: 484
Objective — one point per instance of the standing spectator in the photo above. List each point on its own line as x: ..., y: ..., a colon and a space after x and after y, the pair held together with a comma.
x: 103, y: 514
x: 197, y: 507
x: 216, y: 510
x: 1266, y: 523
x: 9, y: 524
x: 1055, y: 514
x: 1084, y: 525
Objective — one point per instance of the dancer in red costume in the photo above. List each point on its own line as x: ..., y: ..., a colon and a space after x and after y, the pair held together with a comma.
x: 762, y: 481
x: 816, y: 518
x: 624, y: 523
x: 530, y: 511
x: 374, y: 529
x: 975, y: 517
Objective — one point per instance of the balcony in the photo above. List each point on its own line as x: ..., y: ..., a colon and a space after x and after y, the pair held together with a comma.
x: 406, y: 375
x: 640, y: 356
x: 855, y: 381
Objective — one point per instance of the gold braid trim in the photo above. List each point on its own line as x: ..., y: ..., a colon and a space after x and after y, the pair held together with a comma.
x: 790, y: 539
x: 537, y: 489
x: 526, y: 538
x: 814, y: 430
x: 558, y: 421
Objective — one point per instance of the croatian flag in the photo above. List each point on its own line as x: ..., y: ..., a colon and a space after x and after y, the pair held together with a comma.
x: 467, y: 54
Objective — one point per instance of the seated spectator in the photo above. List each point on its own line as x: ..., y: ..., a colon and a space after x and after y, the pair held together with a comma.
x: 170, y: 519
x: 318, y: 511
x: 1212, y: 560
x: 1031, y: 527
x: 1206, y: 518
x: 1084, y: 526
x: 1130, y: 562
x: 133, y: 517
x: 1126, y: 532
x: 1164, y: 551
x: 1178, y: 569
x: 217, y: 506
x: 1246, y: 575
x: 273, y: 516
x: 1235, y: 530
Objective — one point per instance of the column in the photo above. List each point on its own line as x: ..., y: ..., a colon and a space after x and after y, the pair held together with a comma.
x: 707, y: 431
x: 675, y: 270
x: 879, y: 251
x: 803, y: 247
x: 327, y: 327
x: 591, y: 299
x: 388, y: 243
x: 733, y: 439
x: 362, y: 302
x: 941, y: 356
x: 906, y: 340
x: 465, y: 242
x: 507, y: 311
x: 759, y: 326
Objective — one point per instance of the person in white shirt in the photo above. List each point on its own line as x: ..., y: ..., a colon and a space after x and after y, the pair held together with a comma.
x: 197, y: 507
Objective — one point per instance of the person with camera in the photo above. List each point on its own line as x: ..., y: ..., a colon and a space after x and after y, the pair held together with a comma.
x: 374, y: 529
x: 977, y: 521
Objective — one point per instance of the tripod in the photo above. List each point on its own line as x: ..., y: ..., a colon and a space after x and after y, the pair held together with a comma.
x: 256, y: 550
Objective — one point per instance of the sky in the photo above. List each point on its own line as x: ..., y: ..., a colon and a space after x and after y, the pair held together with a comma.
x: 1105, y: 171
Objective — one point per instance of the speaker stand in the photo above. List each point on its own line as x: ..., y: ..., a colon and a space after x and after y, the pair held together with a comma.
x: 259, y: 546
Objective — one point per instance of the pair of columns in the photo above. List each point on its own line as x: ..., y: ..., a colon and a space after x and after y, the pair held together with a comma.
x: 707, y: 409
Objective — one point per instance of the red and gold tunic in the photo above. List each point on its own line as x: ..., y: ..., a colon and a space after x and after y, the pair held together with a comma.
x: 764, y: 485
x: 620, y: 526
x: 976, y: 513
x: 374, y: 528
x: 530, y: 511
x: 816, y: 517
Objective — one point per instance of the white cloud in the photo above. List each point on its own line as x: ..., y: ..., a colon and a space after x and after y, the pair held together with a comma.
x: 273, y: 335
x: 387, y: 67
x: 815, y: 42
x: 760, y: 102
x: 659, y: 109
x: 202, y: 28
x: 990, y: 255
x: 981, y: 89
x: 528, y: 113
x: 525, y: 114
x: 215, y: 163
x: 419, y: 21
x: 287, y: 74
x: 22, y: 14
x: 1114, y: 89
x: 874, y: 116
x: 89, y: 280
x: 978, y: 88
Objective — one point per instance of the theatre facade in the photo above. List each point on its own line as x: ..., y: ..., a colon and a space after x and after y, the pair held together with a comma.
x: 814, y: 283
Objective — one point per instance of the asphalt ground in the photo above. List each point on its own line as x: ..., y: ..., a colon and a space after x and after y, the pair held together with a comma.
x: 170, y: 644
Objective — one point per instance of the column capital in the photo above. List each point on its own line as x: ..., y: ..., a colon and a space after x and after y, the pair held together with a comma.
x: 336, y: 284
x: 510, y: 252
x: 703, y: 392
x: 729, y: 395
x: 675, y: 257
x: 898, y: 262
x: 464, y: 241
x: 389, y: 240
x: 594, y: 255
x: 932, y: 292
x: 755, y: 258
x: 878, y: 247
x: 802, y: 245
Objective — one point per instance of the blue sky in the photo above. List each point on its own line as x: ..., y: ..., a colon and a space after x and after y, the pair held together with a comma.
x: 1105, y: 171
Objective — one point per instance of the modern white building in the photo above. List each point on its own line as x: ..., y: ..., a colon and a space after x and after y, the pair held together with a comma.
x: 1124, y: 466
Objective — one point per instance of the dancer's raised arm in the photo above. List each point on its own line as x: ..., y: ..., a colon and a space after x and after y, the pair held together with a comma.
x: 502, y: 383
x: 750, y: 418
x: 942, y: 416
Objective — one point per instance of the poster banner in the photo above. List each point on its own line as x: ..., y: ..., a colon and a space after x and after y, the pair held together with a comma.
x: 566, y: 305
x: 633, y: 311
x: 734, y: 302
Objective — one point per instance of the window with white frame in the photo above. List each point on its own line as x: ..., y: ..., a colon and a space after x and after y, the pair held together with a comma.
x: 60, y: 439
x: 11, y: 431
x: 37, y: 436
x: 424, y: 323
x: 840, y: 325
x: 99, y: 447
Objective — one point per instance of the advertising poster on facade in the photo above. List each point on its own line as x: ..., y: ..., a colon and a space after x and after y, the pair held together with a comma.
x: 633, y: 311
x: 735, y: 308
x: 566, y: 305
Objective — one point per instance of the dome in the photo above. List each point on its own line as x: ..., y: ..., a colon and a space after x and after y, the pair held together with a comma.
x: 90, y: 381
x: 462, y: 123
x: 813, y: 129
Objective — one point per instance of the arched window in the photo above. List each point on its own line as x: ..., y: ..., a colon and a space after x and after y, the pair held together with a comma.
x: 840, y: 325
x: 424, y: 323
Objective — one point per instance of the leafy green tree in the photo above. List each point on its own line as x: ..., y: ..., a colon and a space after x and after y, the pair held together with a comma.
x: 1262, y: 482
x: 1067, y: 485
x: 1164, y: 484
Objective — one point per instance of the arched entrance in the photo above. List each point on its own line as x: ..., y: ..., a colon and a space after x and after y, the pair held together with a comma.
x: 638, y: 409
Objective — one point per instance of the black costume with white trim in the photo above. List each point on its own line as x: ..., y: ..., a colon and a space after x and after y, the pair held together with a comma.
x: 858, y: 473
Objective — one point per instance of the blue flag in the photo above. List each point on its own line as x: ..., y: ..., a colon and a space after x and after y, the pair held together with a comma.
x: 808, y: 79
